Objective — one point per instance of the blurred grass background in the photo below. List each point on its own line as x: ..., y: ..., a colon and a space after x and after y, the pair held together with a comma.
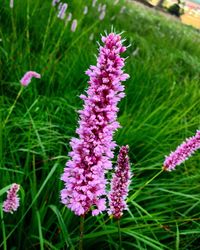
x: 160, y: 110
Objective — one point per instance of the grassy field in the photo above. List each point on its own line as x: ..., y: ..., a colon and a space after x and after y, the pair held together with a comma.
x: 161, y: 109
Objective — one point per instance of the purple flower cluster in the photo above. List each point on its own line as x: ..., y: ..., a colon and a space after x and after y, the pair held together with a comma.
x: 12, y: 202
x: 119, y: 184
x: 185, y: 150
x: 84, y: 174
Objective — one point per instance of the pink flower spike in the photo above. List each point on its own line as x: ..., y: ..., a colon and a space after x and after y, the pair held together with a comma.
x: 90, y: 159
x: 12, y: 202
x: 26, y: 79
x: 183, y: 152
x: 119, y: 184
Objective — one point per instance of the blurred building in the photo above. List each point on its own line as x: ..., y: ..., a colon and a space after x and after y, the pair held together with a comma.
x: 191, y: 10
x: 191, y: 14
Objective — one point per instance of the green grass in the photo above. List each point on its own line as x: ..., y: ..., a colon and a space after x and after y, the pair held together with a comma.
x: 161, y: 109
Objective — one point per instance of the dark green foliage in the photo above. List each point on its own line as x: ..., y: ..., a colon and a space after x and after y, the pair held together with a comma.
x: 175, y: 10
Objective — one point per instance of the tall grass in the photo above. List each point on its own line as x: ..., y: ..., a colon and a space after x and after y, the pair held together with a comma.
x: 161, y: 108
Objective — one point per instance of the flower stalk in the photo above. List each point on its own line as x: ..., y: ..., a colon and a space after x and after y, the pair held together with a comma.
x: 12, y: 107
x: 82, y: 218
x: 3, y: 229
x: 120, y: 234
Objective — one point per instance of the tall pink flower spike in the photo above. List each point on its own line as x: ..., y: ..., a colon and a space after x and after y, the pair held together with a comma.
x: 119, y: 184
x: 26, y: 79
x: 183, y: 152
x: 12, y: 202
x: 84, y: 174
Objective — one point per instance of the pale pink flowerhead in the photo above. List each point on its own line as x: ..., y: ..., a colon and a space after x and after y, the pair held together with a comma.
x: 94, y: 3
x: 54, y: 2
x: 60, y: 6
x: 122, y: 10
x: 11, y: 4
x: 99, y: 7
x: 26, y: 79
x: 74, y: 25
x: 103, y: 8
x: 69, y: 17
x: 62, y: 11
x: 85, y: 11
x: 12, y: 202
x: 102, y: 15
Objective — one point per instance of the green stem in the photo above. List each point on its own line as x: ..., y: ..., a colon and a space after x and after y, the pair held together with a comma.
x: 81, y: 232
x: 12, y: 107
x: 47, y: 28
x: 13, y: 24
x: 27, y: 31
x: 57, y: 45
x: 3, y: 229
x: 81, y: 35
x: 120, y: 234
x: 147, y: 183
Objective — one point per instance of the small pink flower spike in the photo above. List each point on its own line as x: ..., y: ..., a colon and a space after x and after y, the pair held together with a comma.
x: 183, y: 152
x: 74, y: 25
x: 85, y: 11
x: 62, y: 11
x: 26, y: 79
x: 12, y: 202
x: 119, y: 184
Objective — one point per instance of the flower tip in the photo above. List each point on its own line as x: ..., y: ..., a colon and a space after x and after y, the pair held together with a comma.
x: 95, y: 212
x: 127, y: 147
x: 103, y: 39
